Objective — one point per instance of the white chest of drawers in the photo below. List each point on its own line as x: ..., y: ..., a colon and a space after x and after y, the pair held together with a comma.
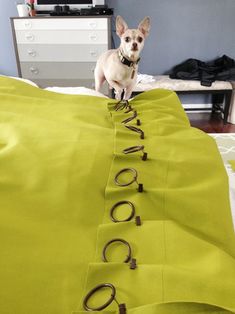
x: 60, y: 51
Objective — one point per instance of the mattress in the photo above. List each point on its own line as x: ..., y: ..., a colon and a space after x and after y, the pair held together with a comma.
x: 62, y: 172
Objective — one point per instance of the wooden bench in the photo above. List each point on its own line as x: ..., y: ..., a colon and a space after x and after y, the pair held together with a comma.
x: 217, y: 89
x: 232, y: 107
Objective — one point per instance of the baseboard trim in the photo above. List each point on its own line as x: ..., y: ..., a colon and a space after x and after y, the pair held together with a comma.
x: 197, y: 108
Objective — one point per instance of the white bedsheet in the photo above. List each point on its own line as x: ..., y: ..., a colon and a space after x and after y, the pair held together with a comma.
x: 231, y: 176
x: 226, y: 145
x: 75, y: 91
x: 22, y: 79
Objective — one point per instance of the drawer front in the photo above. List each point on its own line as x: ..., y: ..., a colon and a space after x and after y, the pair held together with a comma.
x: 61, y: 23
x: 62, y: 37
x: 60, y: 53
x: 59, y: 70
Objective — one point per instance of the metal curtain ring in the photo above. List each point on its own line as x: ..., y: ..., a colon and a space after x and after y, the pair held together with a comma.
x: 121, y: 104
x: 135, y: 175
x: 129, y: 108
x: 128, y: 258
x: 132, y: 214
x: 131, y: 118
x: 134, y: 149
x: 93, y: 291
x: 140, y: 185
x: 138, y: 130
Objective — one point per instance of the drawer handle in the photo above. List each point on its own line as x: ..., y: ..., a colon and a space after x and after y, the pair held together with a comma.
x: 34, y: 70
x: 30, y: 37
x: 93, y: 24
x: 93, y: 37
x: 32, y: 53
x: 93, y: 53
x: 27, y: 24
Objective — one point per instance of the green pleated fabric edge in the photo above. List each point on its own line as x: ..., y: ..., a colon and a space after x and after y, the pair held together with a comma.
x: 146, y: 104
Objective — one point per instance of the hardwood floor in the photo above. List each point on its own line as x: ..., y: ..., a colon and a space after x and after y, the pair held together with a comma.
x: 210, y: 122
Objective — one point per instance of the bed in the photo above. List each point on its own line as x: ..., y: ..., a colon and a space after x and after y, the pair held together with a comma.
x: 62, y: 159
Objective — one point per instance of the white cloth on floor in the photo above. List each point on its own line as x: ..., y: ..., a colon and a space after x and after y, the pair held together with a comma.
x: 145, y: 78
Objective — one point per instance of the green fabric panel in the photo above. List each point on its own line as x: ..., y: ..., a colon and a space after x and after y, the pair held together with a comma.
x: 169, y: 308
x: 59, y: 155
x: 52, y: 181
x: 232, y: 163
x: 183, y: 229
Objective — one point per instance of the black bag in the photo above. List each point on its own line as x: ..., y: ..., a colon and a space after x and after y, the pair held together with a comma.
x: 221, y: 69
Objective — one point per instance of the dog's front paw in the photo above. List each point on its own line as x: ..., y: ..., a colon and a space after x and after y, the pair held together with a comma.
x: 118, y: 95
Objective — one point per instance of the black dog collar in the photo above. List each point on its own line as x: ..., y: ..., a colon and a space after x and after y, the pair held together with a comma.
x: 125, y: 61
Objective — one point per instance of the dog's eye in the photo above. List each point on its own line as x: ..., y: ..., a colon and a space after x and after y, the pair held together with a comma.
x: 127, y: 39
x: 140, y: 39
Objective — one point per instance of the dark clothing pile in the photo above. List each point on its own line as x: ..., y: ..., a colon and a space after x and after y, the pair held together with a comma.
x: 221, y: 69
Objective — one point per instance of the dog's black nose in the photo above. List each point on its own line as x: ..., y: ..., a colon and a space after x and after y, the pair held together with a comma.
x: 134, y: 46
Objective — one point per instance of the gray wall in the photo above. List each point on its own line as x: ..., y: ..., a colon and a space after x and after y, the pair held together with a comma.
x: 181, y: 29
x: 203, y: 29
x: 7, y: 55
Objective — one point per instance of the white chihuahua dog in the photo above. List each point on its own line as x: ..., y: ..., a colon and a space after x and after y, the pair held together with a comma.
x: 119, y: 66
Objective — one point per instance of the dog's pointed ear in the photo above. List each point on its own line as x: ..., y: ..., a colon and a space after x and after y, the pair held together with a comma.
x: 144, y: 26
x: 121, y: 26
